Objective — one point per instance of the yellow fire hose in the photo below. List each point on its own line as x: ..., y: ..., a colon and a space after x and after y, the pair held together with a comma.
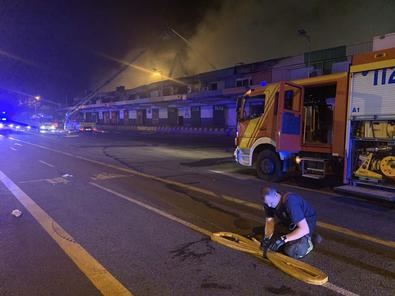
x: 295, y: 268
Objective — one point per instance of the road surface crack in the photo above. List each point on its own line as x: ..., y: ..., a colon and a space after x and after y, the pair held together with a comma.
x: 195, y: 250
x: 61, y: 233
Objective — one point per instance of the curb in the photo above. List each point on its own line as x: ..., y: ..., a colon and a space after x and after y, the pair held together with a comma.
x: 167, y: 129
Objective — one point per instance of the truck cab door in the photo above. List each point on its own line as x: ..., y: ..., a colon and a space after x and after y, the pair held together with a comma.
x: 289, y: 117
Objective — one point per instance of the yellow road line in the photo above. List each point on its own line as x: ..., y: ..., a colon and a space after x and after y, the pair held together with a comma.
x: 331, y: 227
x: 312, y: 190
x: 356, y: 234
x: 106, y: 283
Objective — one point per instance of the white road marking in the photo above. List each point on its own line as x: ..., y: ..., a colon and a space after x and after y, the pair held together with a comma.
x: 232, y: 175
x: 53, y: 181
x: 46, y: 163
x: 199, y: 229
x: 32, y: 181
x: 153, y: 209
x: 17, y: 144
x: 12, y: 148
x: 58, y: 180
x: 338, y: 289
x: 106, y: 176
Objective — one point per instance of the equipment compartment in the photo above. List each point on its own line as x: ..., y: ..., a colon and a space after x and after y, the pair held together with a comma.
x: 373, y: 152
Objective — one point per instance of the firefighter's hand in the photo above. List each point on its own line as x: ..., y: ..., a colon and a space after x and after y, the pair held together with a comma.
x: 265, y: 243
x: 277, y: 244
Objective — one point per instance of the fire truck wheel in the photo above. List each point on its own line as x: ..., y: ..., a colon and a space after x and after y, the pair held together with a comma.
x: 268, y: 166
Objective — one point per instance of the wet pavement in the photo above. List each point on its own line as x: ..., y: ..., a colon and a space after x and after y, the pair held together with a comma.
x: 151, y: 254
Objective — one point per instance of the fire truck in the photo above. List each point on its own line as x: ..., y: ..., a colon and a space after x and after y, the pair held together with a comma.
x: 339, y: 125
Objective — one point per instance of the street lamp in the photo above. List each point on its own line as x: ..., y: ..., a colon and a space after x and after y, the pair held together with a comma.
x: 158, y: 75
x: 303, y: 33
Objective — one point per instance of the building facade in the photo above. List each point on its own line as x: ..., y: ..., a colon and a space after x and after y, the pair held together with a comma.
x: 206, y: 100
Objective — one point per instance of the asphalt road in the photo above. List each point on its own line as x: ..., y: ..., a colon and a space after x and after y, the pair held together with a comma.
x: 141, y: 206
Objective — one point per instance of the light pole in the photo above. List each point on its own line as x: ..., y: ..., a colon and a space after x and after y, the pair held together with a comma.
x: 36, y: 99
x: 303, y: 33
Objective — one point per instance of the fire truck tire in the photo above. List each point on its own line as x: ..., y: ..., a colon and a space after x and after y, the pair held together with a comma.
x: 268, y: 166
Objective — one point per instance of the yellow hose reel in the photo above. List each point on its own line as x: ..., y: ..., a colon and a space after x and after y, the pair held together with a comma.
x: 387, y: 166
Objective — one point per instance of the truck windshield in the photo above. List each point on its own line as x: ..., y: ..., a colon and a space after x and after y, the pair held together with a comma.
x: 254, y: 106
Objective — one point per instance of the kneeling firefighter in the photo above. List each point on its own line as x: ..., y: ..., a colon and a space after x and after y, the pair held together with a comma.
x: 290, y: 223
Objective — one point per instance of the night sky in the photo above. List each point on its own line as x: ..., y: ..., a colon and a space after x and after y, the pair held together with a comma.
x: 48, y: 47
x: 55, y: 48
